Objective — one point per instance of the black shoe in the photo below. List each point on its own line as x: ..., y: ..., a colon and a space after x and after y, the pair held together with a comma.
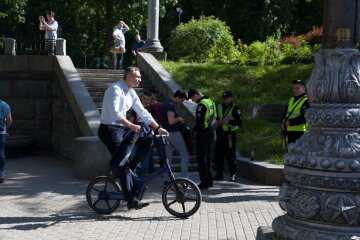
x: 203, y: 186
x: 232, y: 178
x: 1, y: 180
x: 137, y: 206
x: 218, y: 177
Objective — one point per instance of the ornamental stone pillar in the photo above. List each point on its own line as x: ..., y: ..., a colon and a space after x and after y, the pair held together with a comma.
x: 152, y: 43
x: 322, y: 196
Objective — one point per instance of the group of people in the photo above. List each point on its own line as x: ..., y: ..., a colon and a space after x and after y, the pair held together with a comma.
x: 123, y: 135
x: 50, y: 26
x: 119, y: 42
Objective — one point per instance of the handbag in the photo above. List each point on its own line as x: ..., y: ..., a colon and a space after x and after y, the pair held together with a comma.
x: 117, y: 50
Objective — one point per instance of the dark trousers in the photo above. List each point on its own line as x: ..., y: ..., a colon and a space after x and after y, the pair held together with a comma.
x: 120, y: 141
x: 204, y: 139
x: 225, y: 148
x: 141, y: 153
x: 294, y: 135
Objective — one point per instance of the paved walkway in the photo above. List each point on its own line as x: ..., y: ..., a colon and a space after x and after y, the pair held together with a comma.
x: 41, y: 199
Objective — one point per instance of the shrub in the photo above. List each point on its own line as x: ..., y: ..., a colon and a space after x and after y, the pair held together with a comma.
x: 314, y: 37
x: 264, y: 53
x: 205, y: 40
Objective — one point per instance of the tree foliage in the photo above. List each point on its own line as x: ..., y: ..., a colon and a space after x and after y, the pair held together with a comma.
x: 206, y: 39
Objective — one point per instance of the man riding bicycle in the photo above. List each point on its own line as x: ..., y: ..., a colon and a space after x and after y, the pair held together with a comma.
x: 119, y: 134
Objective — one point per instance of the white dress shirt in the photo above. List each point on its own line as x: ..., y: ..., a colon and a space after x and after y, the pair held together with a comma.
x: 118, y: 99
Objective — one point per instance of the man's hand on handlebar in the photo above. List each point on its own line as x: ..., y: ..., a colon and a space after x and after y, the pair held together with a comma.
x: 163, y: 132
x: 135, y: 128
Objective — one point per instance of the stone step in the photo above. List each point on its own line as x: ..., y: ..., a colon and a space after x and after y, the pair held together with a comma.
x: 99, y: 79
x: 102, y: 86
x: 101, y: 71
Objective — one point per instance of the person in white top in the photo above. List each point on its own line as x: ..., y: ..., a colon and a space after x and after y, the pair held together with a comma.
x: 119, y: 41
x: 119, y: 134
x: 50, y: 27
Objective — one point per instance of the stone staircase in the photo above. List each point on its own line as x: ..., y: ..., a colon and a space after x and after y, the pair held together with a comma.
x: 98, y: 80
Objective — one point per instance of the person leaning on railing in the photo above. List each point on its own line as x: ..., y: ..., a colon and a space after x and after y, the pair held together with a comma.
x: 50, y: 26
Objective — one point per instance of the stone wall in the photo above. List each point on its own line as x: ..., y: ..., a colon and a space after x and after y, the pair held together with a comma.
x: 47, y: 101
x: 40, y: 109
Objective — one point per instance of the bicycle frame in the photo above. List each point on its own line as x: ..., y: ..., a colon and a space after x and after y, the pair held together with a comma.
x: 139, y: 183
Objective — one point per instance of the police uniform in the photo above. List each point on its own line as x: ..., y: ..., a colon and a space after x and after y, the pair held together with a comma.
x: 295, y: 114
x: 205, y: 113
x: 226, y: 138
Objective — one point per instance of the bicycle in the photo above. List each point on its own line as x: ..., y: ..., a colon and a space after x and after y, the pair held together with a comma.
x: 181, y: 197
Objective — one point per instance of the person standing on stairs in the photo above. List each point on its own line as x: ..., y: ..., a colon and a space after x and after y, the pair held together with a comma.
x: 119, y: 41
x: 172, y: 122
x: 147, y: 164
x: 155, y: 110
x: 205, y: 118
x: 119, y: 134
x: 229, y: 120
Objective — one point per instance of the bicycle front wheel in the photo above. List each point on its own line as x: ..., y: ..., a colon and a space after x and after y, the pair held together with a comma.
x: 96, y: 191
x: 181, y: 198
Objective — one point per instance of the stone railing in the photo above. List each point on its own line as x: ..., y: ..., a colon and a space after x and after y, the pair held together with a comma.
x: 165, y: 84
x: 32, y: 46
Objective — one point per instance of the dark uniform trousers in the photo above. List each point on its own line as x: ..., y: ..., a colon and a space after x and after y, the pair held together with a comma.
x: 204, y: 139
x: 225, y: 148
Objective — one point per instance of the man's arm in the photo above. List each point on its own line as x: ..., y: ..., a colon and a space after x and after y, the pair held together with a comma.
x: 125, y: 26
x: 8, y: 120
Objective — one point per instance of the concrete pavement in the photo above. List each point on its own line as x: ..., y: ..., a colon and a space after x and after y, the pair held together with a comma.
x: 42, y: 199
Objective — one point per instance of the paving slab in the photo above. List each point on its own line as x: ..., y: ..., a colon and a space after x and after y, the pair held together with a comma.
x: 42, y: 199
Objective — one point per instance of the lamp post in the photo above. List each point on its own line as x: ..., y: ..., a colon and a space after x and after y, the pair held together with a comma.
x: 322, y: 195
x: 179, y: 10
x: 85, y: 36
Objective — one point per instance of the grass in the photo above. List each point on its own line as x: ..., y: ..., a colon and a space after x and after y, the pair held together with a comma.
x: 250, y: 85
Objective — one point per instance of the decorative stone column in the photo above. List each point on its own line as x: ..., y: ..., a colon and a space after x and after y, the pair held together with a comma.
x: 152, y: 43
x: 322, y: 198
x: 10, y: 46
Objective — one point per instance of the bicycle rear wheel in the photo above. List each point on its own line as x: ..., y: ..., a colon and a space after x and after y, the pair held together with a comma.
x: 181, y: 198
x: 95, y: 194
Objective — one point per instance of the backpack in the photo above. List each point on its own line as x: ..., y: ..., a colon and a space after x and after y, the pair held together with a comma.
x: 59, y: 32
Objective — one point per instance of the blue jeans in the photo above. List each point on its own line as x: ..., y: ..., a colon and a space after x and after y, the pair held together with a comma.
x: 118, y: 61
x: 2, y: 154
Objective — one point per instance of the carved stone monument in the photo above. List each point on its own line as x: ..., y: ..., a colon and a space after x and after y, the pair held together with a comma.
x: 322, y: 198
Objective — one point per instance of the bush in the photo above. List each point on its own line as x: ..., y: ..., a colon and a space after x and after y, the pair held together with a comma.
x: 264, y: 53
x: 204, y: 40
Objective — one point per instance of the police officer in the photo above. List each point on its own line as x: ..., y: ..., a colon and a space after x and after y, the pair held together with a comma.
x: 205, y: 116
x: 229, y: 120
x: 293, y: 121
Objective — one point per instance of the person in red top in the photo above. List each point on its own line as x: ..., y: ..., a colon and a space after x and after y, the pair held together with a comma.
x: 147, y: 164
x: 155, y: 110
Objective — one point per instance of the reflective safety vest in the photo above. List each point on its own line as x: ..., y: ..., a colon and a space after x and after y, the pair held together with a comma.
x: 227, y: 127
x: 210, y: 114
x: 296, y: 113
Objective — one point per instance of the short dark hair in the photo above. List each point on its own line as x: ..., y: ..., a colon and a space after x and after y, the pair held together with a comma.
x: 147, y: 93
x: 51, y: 13
x: 130, y: 70
x: 180, y: 94
x: 154, y: 91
